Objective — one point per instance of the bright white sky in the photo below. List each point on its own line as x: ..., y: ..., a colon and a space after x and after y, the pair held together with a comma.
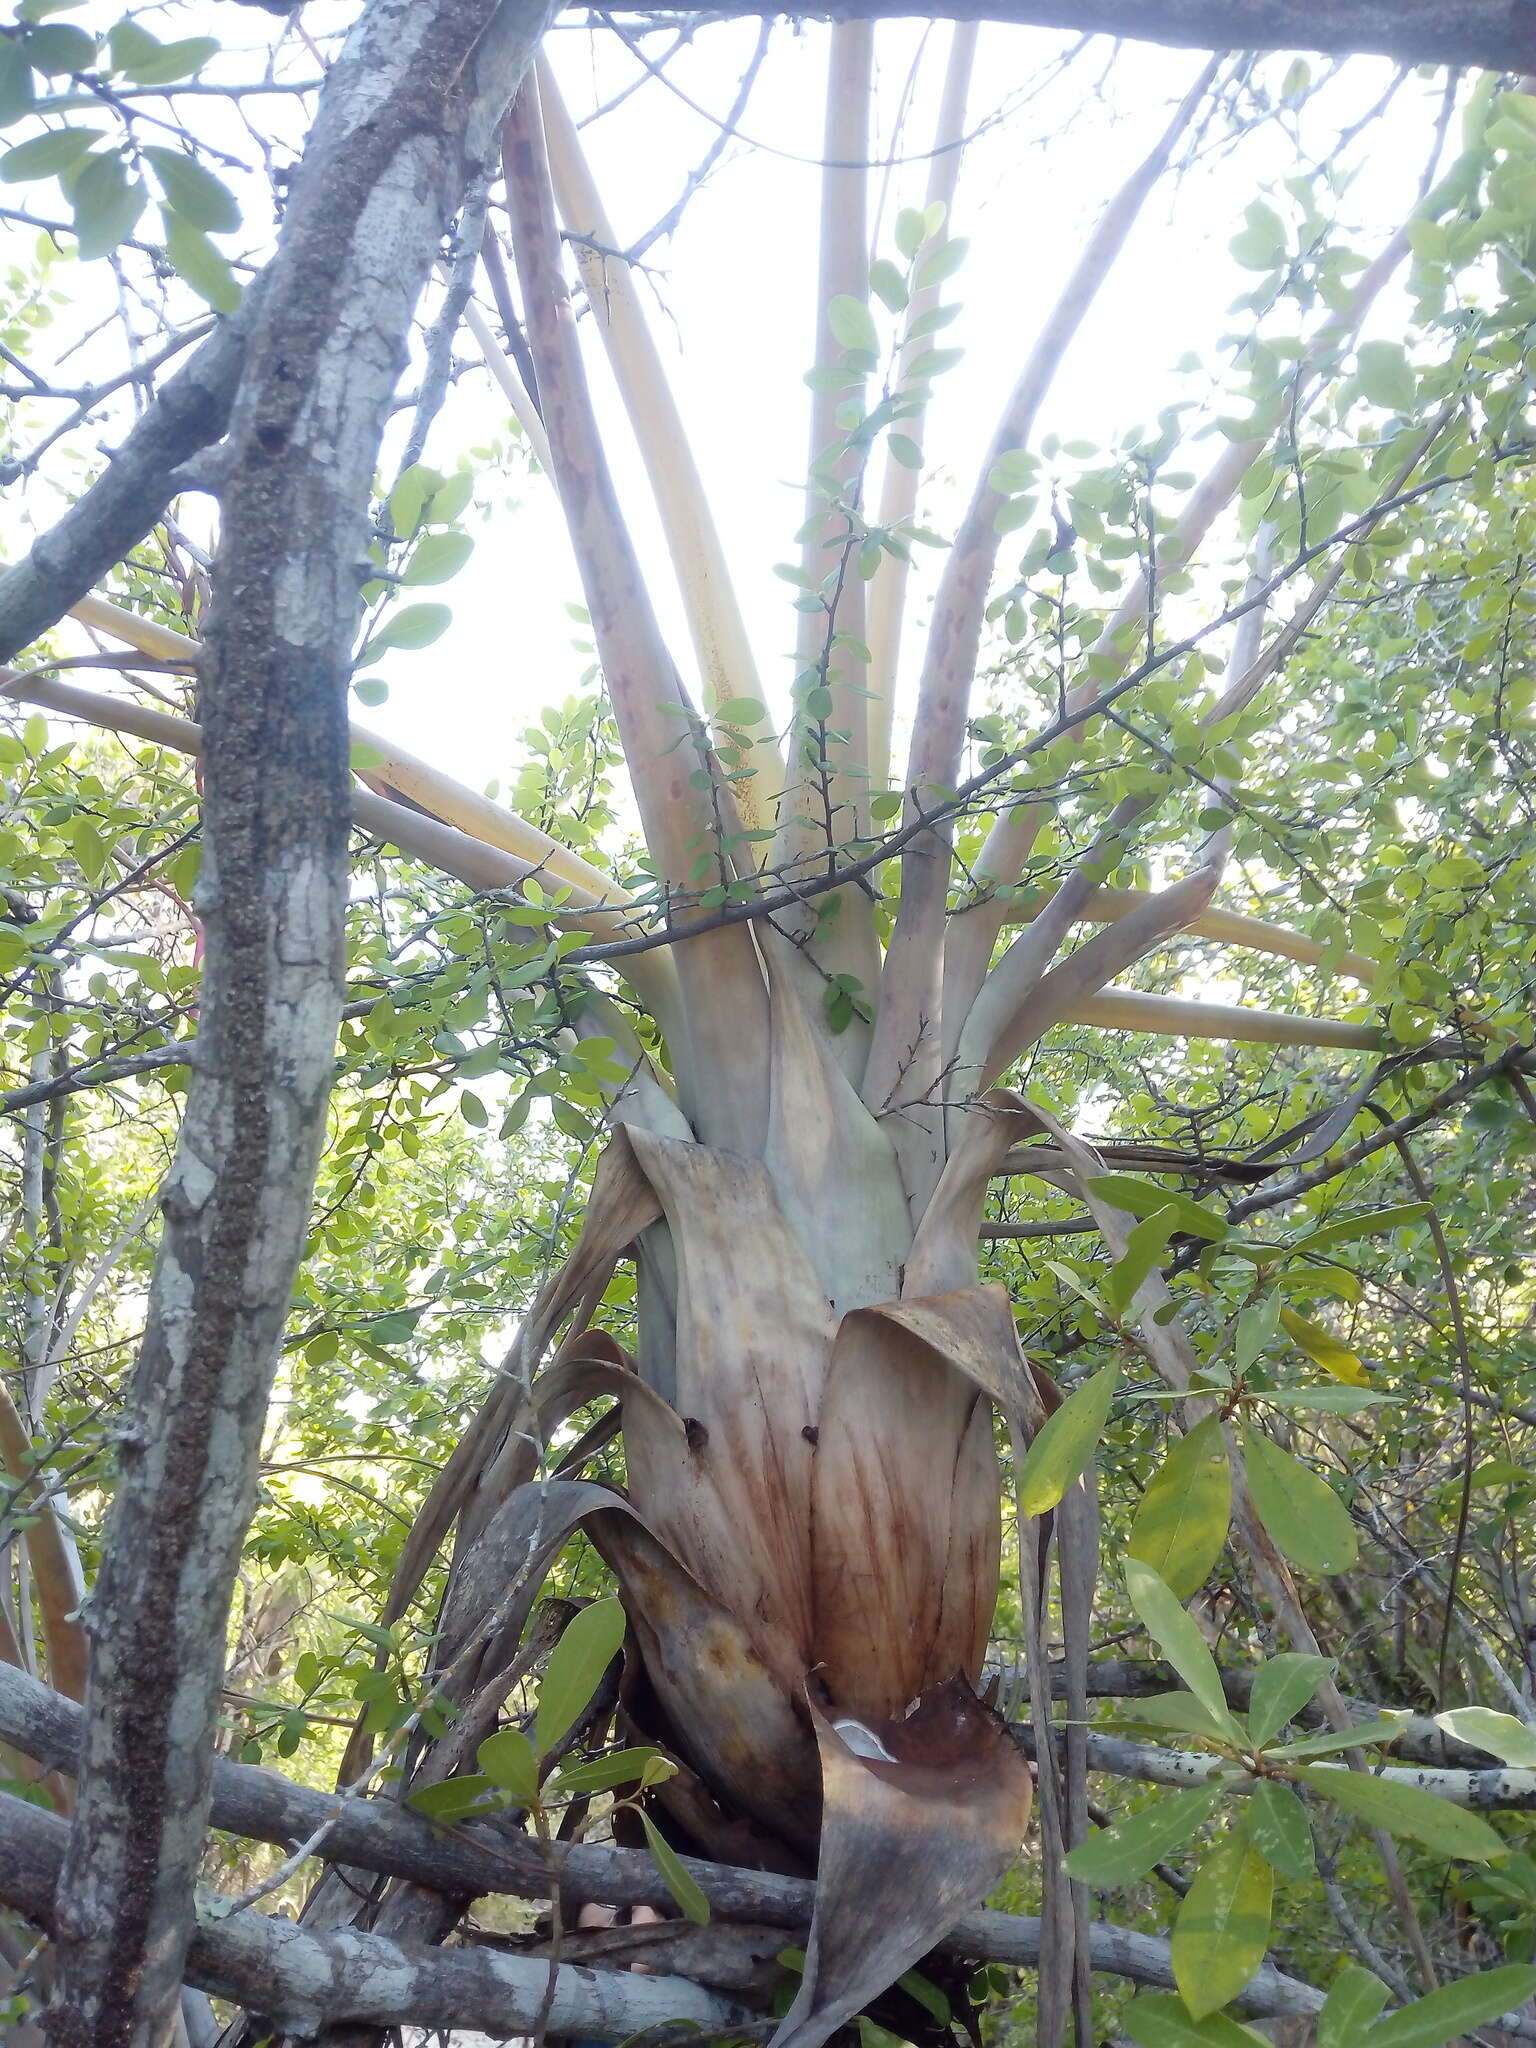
x: 733, y: 306
x: 734, y: 313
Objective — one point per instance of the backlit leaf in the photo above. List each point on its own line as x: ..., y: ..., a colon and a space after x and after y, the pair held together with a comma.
x: 1324, y: 1349
x: 1181, y: 1524
x: 1066, y: 1443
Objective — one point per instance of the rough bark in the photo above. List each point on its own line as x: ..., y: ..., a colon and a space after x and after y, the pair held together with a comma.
x: 406, y: 117
x: 189, y: 414
x: 303, y: 1980
x: 1498, y: 34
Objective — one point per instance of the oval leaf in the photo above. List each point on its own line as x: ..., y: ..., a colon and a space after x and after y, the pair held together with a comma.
x: 1179, y: 1639
x: 204, y: 268
x: 1121, y: 1854
x: 1352, y: 2003
x: 1222, y: 1929
x: 1181, y: 1523
x: 1281, y: 1688
x: 437, y: 557
x: 851, y: 322
x: 1277, y: 1826
x: 1066, y: 1443
x: 576, y: 1665
x: 193, y: 191
x: 46, y: 155
x: 1302, y: 1513
x: 1500, y: 1734
x: 1473, y: 2002
x: 507, y: 1759
x: 1406, y: 1810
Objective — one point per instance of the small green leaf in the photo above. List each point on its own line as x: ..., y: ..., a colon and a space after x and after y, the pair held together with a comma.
x: 852, y: 323
x: 739, y: 711
x: 1353, y: 2001
x: 1066, y: 1443
x: 576, y: 1665
x: 1455, y: 2009
x: 451, y: 1799
x: 437, y: 557
x: 1119, y: 1855
x: 1222, y: 1929
x: 1406, y: 1810
x: 942, y: 264
x: 170, y: 61
x: 1328, y: 1400
x: 45, y: 156
x: 602, y: 1773
x: 1181, y: 1523
x: 911, y: 230
x: 507, y: 1759
x: 106, y: 205
x: 18, y: 90
x: 905, y: 450
x: 58, y: 47
x: 1179, y: 1639
x: 679, y: 1883
x: 195, y: 258
x: 1383, y: 375
x: 1281, y: 1688
x: 193, y: 191
x: 473, y: 1110
x: 417, y: 625
x: 1500, y: 1734
x: 1277, y: 1826
x: 888, y: 284
x: 1302, y: 1513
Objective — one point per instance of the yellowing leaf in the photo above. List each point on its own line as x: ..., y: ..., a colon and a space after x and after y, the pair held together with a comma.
x: 1182, y: 1521
x: 1324, y: 1349
x: 1222, y: 1930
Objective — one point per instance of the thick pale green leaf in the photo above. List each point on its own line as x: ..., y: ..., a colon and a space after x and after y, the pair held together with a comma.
x: 1500, y: 1734
x: 852, y: 323
x: 1302, y: 1513
x: 201, y: 264
x: 1324, y: 1349
x: 1353, y: 2001
x: 1440, y: 2016
x: 1406, y: 1810
x: 691, y: 1901
x: 1159, y: 2020
x: 1222, y: 1928
x: 739, y: 711
x: 507, y: 1759
x: 576, y: 1665
x: 1281, y: 1688
x: 1181, y: 1523
x: 943, y: 263
x: 193, y: 191
x: 1121, y: 1854
x: 1278, y: 1828
x: 45, y: 156
x: 1179, y: 1638
x: 1066, y: 1443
